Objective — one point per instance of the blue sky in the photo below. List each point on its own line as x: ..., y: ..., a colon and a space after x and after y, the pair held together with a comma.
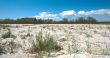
x: 55, y: 8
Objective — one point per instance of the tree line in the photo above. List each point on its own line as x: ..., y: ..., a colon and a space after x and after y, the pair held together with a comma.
x: 80, y: 20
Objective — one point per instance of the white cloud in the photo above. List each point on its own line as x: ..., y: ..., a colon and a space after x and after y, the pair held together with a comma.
x: 89, y: 12
x: 46, y: 15
x: 67, y: 13
x: 102, y: 11
x: 99, y: 12
x: 81, y: 12
x: 73, y: 14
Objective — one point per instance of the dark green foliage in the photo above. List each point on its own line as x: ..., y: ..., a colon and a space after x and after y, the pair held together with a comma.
x: 7, y: 34
x: 44, y: 45
x: 80, y: 20
x: 7, y: 21
x: 51, y: 45
x: 26, y: 20
x: 91, y: 20
x: 65, y: 20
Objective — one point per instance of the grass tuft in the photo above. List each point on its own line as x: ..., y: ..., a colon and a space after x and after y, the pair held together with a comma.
x: 45, y: 45
x: 89, y: 47
x: 1, y: 49
x: 7, y: 34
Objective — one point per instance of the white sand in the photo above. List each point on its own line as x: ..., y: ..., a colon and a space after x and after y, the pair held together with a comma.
x: 98, y: 36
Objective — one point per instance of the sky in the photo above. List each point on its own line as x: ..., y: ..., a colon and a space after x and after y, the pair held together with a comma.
x: 55, y: 9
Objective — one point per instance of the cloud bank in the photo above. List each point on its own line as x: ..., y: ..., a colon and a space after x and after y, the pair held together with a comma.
x: 68, y: 13
x: 99, y: 12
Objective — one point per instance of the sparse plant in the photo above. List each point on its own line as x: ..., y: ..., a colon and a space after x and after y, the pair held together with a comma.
x: 74, y: 48
x: 28, y: 34
x: 12, y: 46
x: 108, y: 27
x: 23, y: 36
x: 4, y: 26
x: 8, y: 48
x: 1, y: 49
x: 44, y: 45
x: 7, y: 34
x: 29, y: 30
x: 88, y: 35
x: 89, y: 47
x: 106, y: 51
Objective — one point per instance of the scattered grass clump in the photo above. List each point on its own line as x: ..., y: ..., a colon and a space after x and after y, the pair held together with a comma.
x: 1, y: 49
x: 4, y: 26
x: 108, y: 27
x: 106, y: 51
x: 74, y: 48
x: 89, y: 47
x: 11, y: 47
x: 88, y: 35
x: 7, y: 34
x: 44, y: 45
x: 8, y: 48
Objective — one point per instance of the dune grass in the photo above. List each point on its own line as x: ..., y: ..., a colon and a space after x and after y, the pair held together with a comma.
x: 7, y: 34
x: 43, y: 45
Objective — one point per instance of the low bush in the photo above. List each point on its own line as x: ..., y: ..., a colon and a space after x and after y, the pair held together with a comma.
x: 41, y: 44
x: 7, y: 34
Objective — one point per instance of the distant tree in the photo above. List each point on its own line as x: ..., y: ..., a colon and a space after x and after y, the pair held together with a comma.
x: 7, y: 21
x: 48, y: 21
x: 39, y: 21
x: 71, y: 21
x: 65, y: 20
x: 26, y: 20
x: 91, y: 20
x: 80, y: 20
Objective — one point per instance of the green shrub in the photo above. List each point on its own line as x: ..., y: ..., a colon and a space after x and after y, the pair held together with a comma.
x: 51, y: 45
x: 7, y: 34
x: 47, y: 44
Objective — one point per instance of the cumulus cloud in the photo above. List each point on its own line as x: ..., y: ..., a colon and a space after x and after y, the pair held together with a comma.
x: 67, y: 13
x: 99, y: 12
x: 46, y: 15
x: 81, y: 12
